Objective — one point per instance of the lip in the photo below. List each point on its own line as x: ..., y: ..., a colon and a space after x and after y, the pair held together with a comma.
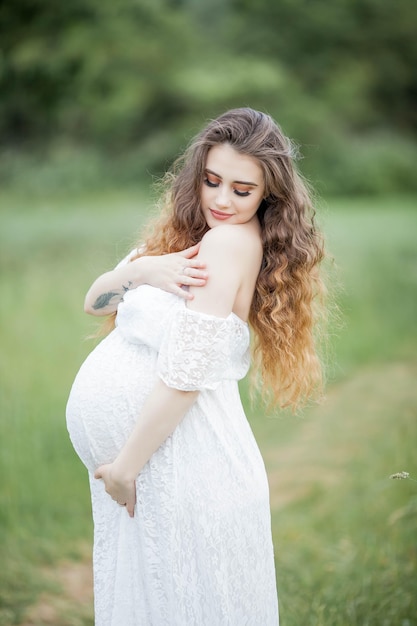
x: 218, y: 215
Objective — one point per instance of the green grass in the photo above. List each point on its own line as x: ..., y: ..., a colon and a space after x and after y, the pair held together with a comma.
x: 344, y: 533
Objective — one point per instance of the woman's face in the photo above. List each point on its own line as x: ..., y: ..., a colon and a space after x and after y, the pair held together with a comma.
x: 233, y: 187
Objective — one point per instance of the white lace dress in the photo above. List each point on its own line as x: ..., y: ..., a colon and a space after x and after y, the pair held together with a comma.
x: 198, y: 551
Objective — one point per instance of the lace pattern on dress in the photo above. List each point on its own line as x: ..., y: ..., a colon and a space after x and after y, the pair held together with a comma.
x: 198, y: 350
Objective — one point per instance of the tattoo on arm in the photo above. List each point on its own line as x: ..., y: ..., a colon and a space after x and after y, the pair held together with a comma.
x: 104, y: 299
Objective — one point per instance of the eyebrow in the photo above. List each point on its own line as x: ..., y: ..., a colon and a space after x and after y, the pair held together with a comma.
x: 238, y: 182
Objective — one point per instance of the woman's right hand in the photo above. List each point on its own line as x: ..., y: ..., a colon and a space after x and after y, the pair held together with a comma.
x: 167, y: 271
x: 172, y: 271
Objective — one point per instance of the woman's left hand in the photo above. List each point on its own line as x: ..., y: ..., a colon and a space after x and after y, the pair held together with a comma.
x: 121, y: 490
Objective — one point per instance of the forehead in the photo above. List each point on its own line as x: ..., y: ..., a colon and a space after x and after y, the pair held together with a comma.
x: 225, y: 161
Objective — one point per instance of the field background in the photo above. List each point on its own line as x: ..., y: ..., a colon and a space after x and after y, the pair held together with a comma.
x: 97, y: 99
x: 344, y: 533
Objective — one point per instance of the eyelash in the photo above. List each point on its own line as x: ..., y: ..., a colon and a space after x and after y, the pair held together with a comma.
x: 241, y: 194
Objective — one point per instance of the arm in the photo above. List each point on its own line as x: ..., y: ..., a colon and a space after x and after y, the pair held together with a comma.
x: 165, y: 407
x: 162, y: 412
x: 165, y: 271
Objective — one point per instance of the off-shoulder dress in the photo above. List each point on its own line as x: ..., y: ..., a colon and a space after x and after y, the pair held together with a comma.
x: 198, y: 551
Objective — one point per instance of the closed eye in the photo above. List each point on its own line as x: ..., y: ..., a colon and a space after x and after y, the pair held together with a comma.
x: 214, y: 183
x: 210, y: 183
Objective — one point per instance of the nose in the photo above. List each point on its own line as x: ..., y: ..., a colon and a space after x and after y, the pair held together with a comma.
x: 223, y: 197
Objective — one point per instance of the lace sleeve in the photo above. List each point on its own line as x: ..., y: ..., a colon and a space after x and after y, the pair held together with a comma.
x: 198, y: 351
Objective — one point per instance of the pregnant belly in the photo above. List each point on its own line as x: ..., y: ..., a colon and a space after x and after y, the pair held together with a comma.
x: 106, y: 398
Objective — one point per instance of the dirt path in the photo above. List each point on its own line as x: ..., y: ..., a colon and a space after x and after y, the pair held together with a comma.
x: 328, y: 438
x: 72, y: 602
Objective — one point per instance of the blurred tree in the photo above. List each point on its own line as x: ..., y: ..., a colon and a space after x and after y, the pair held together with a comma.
x: 147, y: 73
x: 102, y: 70
x: 95, y: 69
x: 35, y: 77
x: 369, y: 47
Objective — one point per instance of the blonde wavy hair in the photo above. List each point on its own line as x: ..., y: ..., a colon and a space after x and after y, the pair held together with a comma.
x: 289, y: 289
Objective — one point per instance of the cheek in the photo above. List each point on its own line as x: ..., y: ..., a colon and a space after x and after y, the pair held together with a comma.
x: 256, y: 203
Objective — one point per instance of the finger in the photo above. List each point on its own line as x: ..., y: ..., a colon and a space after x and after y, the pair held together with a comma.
x: 99, y: 472
x: 189, y: 275
x: 191, y: 266
x: 194, y: 273
x: 195, y: 263
x: 194, y: 282
x: 182, y: 293
x: 130, y: 504
x: 188, y: 253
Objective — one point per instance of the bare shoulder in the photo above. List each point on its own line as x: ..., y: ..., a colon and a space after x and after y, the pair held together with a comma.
x: 232, y: 254
x: 232, y: 238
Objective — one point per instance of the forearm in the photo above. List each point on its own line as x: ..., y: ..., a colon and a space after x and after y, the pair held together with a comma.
x: 163, y: 410
x: 108, y: 290
x: 166, y: 271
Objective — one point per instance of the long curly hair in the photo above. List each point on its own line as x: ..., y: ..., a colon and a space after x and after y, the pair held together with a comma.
x: 289, y: 289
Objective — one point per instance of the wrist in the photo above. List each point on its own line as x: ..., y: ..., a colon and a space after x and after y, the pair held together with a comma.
x: 123, y: 471
x: 141, y: 270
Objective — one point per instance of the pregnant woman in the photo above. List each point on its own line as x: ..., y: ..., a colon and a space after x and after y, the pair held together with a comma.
x: 182, y: 532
